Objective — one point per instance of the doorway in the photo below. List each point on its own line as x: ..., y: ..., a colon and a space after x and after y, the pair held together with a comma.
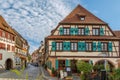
x: 9, y: 64
x: 73, y: 66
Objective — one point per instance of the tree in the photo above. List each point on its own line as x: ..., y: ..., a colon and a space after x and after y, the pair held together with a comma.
x: 84, y: 67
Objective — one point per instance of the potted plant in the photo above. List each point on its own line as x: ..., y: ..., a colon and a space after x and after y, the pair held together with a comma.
x: 53, y: 71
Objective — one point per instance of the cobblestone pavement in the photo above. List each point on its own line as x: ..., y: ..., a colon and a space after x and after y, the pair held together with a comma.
x: 76, y: 78
x: 30, y: 73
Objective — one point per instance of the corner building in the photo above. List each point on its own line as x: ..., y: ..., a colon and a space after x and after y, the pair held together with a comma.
x: 82, y: 36
x: 7, y: 46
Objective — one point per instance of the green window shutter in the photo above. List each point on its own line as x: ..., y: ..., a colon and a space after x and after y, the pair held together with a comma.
x: 64, y: 46
x: 61, y: 31
x: 76, y: 31
x: 99, y: 46
x: 79, y: 46
x: 94, y: 46
x: 66, y: 62
x: 87, y: 31
x: 110, y: 46
x: 91, y: 62
x: 83, y: 46
x: 69, y: 63
x: 56, y: 64
x: 101, y: 31
x: 71, y: 31
x: 68, y: 46
x: 53, y: 46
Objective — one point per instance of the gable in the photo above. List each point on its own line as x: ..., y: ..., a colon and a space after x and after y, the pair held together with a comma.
x: 5, y: 26
x: 77, y: 13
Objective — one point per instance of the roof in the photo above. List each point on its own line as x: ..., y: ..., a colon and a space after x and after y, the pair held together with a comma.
x: 5, y: 26
x: 57, y: 37
x: 20, y: 36
x: 74, y: 17
x: 117, y: 33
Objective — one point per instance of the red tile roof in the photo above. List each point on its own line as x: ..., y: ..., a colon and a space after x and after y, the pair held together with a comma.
x: 5, y: 26
x: 74, y: 17
x: 117, y: 33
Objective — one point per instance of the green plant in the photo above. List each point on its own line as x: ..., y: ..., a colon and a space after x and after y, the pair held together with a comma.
x: 98, y: 67
x: 84, y: 67
x: 53, y: 70
x: 82, y: 77
x: 115, y: 75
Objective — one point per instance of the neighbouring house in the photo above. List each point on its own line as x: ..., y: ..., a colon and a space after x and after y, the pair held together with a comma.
x: 13, y: 47
x: 41, y: 54
x: 35, y: 57
x: 7, y: 46
x: 82, y: 36
x: 21, y: 50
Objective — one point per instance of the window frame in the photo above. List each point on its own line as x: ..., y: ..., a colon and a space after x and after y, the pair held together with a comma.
x: 104, y: 48
x: 58, y: 46
x: 82, y: 18
x: 89, y: 46
x: 95, y: 31
x: 65, y: 31
x: 74, y: 49
x: 80, y: 31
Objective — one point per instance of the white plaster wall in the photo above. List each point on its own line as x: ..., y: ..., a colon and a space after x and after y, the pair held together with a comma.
x: 6, y: 55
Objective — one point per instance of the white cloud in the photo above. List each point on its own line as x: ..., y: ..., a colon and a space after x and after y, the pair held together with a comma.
x: 34, y: 19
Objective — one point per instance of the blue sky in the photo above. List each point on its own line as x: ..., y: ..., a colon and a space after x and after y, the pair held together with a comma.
x: 34, y: 19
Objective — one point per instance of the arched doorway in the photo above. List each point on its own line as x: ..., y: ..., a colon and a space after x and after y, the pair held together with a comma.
x: 105, y: 64
x: 9, y: 64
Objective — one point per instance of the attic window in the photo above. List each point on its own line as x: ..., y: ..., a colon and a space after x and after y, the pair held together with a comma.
x: 82, y: 18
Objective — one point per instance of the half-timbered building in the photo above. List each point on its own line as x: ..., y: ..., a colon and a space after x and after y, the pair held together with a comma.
x: 82, y: 36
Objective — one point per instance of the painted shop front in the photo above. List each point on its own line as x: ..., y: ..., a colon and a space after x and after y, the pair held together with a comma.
x: 82, y: 36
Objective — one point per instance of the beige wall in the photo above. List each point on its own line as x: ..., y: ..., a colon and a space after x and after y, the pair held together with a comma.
x: 108, y: 32
x: 70, y: 53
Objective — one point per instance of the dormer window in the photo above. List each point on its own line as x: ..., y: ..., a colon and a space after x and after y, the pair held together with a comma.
x: 82, y: 18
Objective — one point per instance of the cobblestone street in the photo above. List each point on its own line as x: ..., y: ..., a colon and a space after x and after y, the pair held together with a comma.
x: 31, y: 72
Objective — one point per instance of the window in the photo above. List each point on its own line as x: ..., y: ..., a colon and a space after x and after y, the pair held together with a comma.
x: 73, y: 46
x: 61, y: 63
x: 104, y: 46
x: 82, y: 18
x: 8, y: 47
x: 8, y: 36
x: 3, y: 34
x: 2, y: 46
x: 81, y: 31
x: 59, y: 46
x: 88, y: 46
x: 13, y: 48
x: 96, y: 31
x: 66, y: 31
